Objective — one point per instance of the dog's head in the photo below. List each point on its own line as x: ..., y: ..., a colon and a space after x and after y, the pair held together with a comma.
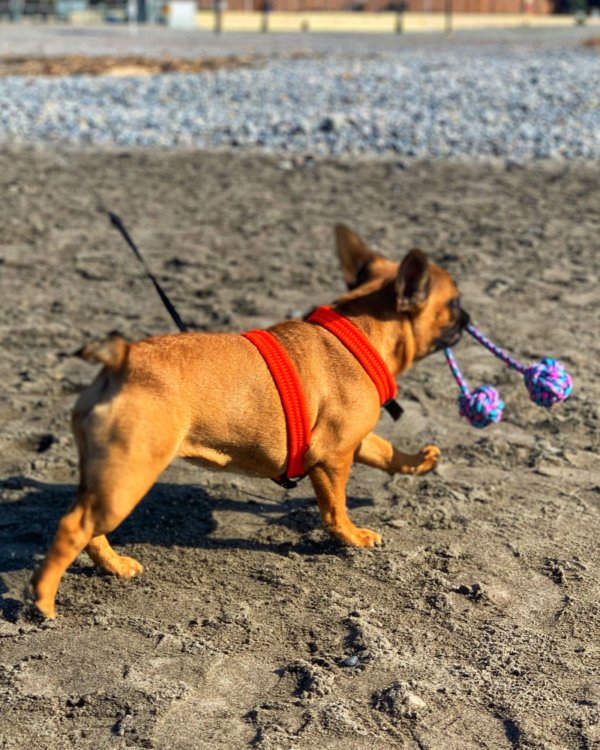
x: 416, y: 292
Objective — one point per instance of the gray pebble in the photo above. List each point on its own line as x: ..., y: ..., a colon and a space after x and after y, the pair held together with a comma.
x: 442, y: 103
x: 413, y: 702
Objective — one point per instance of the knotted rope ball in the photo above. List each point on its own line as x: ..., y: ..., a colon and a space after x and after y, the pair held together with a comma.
x: 482, y: 407
x: 547, y: 383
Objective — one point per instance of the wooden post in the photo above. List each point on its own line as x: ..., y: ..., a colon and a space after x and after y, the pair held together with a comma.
x: 266, y: 10
x: 449, y: 7
x: 218, y: 8
x: 400, y: 8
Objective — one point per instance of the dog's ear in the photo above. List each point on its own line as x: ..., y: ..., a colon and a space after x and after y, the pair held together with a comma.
x: 354, y: 255
x: 413, y: 282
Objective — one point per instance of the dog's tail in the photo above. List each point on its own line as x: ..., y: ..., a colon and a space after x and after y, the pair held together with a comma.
x: 111, y: 352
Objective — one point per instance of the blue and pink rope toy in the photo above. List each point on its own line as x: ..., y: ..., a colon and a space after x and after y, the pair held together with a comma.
x: 547, y: 383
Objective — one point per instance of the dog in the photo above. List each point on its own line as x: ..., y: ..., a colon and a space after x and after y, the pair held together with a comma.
x: 210, y: 398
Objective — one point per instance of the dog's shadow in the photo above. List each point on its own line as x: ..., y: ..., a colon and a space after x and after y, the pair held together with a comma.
x: 170, y: 515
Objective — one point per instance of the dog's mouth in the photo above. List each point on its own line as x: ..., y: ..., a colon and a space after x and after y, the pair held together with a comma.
x: 453, y: 338
x: 451, y: 335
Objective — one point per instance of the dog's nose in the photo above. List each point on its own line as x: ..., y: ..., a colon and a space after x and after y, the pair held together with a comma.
x: 465, y: 318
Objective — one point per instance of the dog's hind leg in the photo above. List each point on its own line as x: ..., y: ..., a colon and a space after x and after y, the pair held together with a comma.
x: 99, y: 549
x: 74, y: 532
x: 105, y: 557
x: 329, y: 482
x: 379, y: 453
x: 105, y: 498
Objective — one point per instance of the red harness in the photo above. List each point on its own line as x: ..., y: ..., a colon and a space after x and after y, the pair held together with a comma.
x: 355, y: 341
x: 288, y: 384
x: 292, y: 397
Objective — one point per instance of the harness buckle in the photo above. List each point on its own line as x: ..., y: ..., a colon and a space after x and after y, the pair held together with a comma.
x: 284, y: 481
x: 394, y: 409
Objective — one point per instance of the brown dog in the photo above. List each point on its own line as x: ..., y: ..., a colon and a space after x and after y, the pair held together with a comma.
x: 210, y: 398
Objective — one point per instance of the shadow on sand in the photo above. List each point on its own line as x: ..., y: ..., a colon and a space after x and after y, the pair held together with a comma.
x: 170, y: 515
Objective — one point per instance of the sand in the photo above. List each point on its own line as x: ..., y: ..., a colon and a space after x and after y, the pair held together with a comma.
x: 115, y: 65
x: 477, y: 625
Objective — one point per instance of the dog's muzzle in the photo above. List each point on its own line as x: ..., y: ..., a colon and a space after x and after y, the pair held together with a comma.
x: 451, y: 335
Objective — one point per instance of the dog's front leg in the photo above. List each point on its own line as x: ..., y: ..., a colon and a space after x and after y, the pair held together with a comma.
x: 329, y: 482
x: 379, y: 453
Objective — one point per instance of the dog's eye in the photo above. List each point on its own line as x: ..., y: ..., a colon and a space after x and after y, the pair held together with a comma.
x: 454, y: 304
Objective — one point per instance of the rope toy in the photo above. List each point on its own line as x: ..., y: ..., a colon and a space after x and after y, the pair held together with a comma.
x: 483, y: 406
x: 547, y: 383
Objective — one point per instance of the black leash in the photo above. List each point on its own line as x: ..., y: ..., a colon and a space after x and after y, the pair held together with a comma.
x: 118, y: 224
x: 283, y: 480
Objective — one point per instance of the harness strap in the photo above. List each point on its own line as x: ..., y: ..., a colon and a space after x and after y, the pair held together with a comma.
x: 357, y: 343
x: 287, y: 382
x: 290, y: 390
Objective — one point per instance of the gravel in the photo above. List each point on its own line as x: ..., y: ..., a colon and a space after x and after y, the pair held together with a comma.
x: 447, y: 103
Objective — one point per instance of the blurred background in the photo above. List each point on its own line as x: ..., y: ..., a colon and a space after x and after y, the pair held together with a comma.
x: 375, y: 15
x: 517, y: 83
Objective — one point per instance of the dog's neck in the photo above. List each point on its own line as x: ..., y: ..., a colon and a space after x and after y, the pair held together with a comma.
x: 392, y: 336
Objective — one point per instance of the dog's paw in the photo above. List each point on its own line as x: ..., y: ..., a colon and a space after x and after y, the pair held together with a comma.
x: 428, y: 458
x: 355, y: 537
x: 127, y: 567
x: 415, y: 463
x: 367, y: 538
x: 38, y: 606
x: 40, y: 609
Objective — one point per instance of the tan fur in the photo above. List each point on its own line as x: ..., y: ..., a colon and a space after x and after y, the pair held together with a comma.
x: 209, y: 398
x: 110, y: 352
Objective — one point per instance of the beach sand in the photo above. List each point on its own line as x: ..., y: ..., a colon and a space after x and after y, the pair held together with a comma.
x: 476, y: 625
